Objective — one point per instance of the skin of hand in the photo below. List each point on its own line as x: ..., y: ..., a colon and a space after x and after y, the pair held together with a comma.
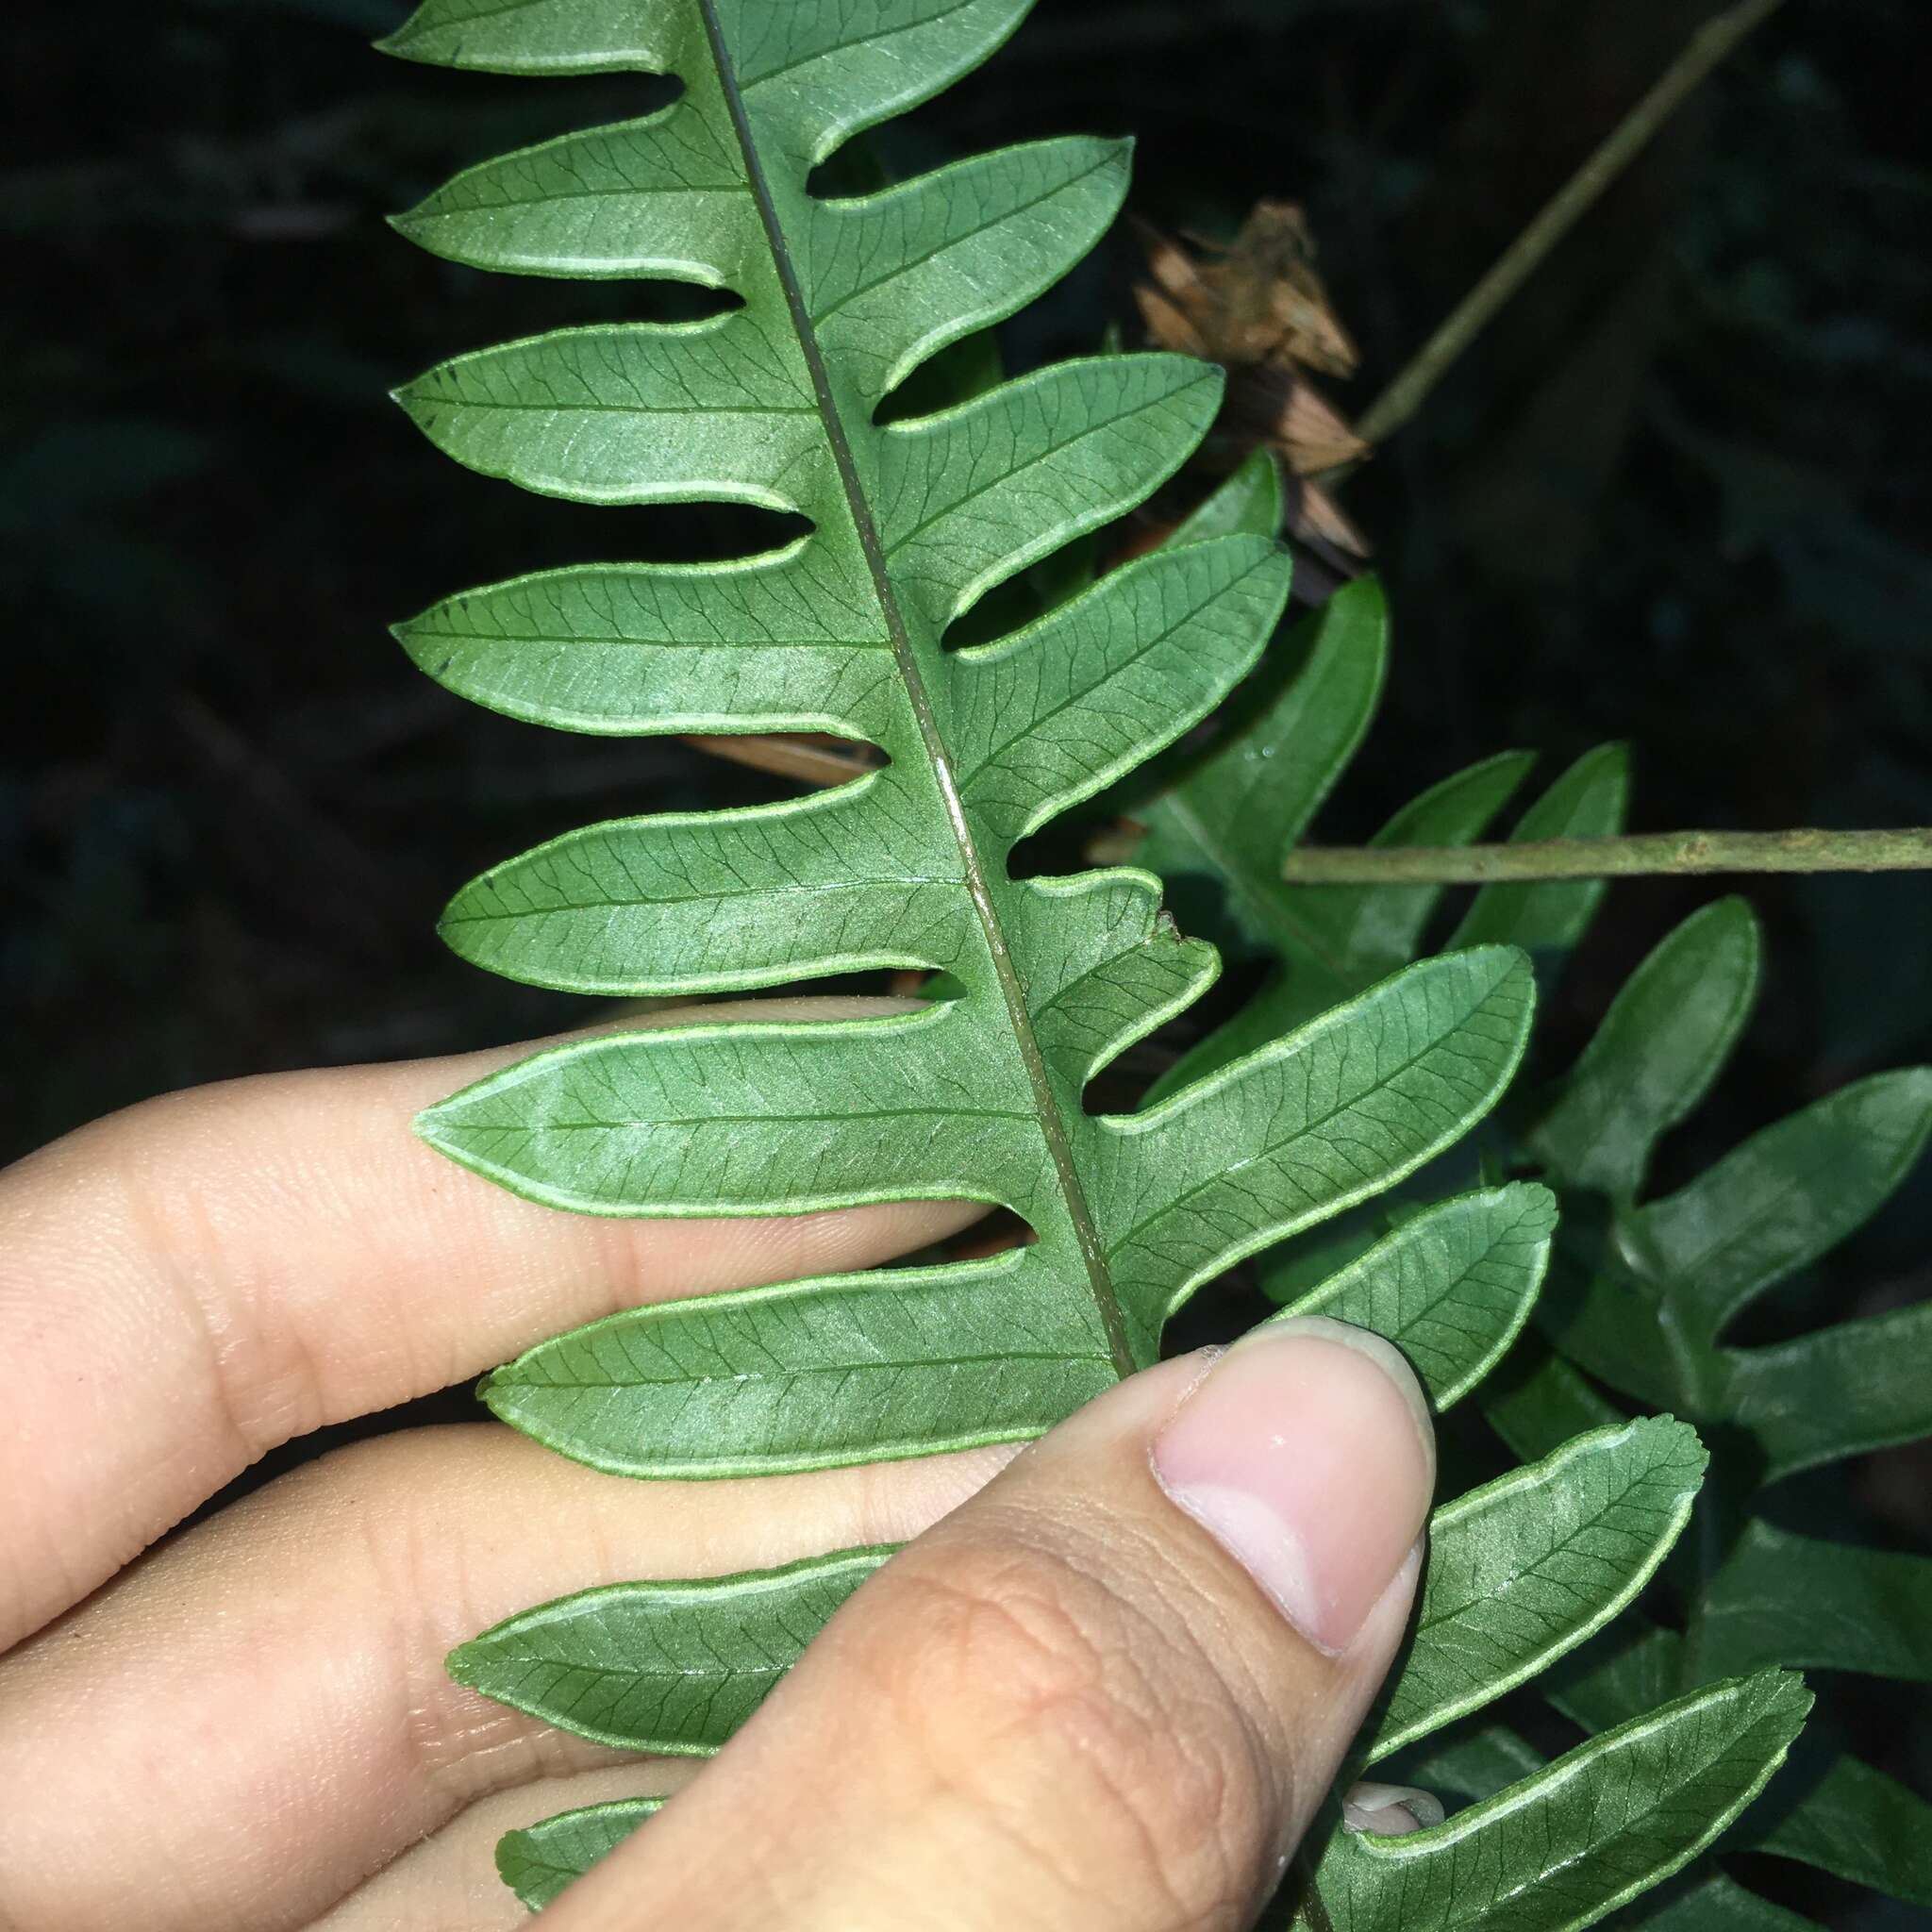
x: 1105, y: 1687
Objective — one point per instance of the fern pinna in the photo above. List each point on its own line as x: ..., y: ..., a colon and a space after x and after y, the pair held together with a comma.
x: 1036, y: 985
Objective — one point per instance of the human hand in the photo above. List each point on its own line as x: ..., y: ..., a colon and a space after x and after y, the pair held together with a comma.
x: 1108, y: 1690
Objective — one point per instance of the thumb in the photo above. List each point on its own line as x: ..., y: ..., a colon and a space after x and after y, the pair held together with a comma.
x: 1108, y: 1693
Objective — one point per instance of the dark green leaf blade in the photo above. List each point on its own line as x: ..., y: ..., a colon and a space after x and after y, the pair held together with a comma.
x: 1451, y: 1288
x: 1710, y: 1903
x: 1587, y: 802
x: 666, y: 1667
x: 1329, y: 942
x: 1373, y: 929
x: 1631, y: 1668
x: 540, y: 1859
x: 1814, y: 1604
x: 1666, y: 1036
x: 1837, y: 1392
x: 1827, y: 1808
x: 1540, y: 1401
x: 1788, y: 1196
x: 1233, y: 817
x: 1600, y: 1825
x: 1856, y: 1822
x: 1529, y: 1566
x: 1468, y: 1763
x: 1247, y: 502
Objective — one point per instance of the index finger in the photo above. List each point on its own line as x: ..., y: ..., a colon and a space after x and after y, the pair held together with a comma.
x: 186, y: 1285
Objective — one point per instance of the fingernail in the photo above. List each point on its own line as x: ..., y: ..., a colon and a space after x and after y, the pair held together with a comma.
x: 1308, y: 1453
x: 1390, y: 1810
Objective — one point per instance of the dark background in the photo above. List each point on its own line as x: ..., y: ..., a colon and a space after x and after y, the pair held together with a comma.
x: 1672, y: 496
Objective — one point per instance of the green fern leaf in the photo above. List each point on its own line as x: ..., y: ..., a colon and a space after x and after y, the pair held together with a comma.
x: 1036, y: 984
x: 1527, y: 1567
x: 1587, y: 802
x: 1710, y: 1903
x: 1227, y: 822
x: 1660, y: 1047
x: 539, y: 1860
x: 1569, y: 1844
x: 1373, y: 929
x: 1471, y: 1762
x: 1542, y: 1401
x: 913, y: 521
x: 1830, y: 1810
x: 1219, y: 829
x: 664, y: 1667
x: 1472, y: 1765
x: 1684, y: 1267
x: 1645, y: 1309
x: 1452, y: 1287
x: 1857, y: 1824
x: 1818, y: 1604
x: 1706, y: 1253
x: 1249, y: 502
x: 1216, y: 834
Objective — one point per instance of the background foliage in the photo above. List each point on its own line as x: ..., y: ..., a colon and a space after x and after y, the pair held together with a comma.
x: 1667, y: 500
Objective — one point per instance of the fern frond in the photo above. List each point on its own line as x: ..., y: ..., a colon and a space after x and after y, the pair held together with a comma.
x: 1218, y: 830
x: 1038, y: 983
x: 1354, y: 1069
x: 979, y: 1096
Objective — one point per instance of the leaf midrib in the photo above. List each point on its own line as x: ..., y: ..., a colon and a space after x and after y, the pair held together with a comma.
x: 606, y: 903
x: 1053, y: 1128
x: 881, y: 1365
x: 817, y: 1118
